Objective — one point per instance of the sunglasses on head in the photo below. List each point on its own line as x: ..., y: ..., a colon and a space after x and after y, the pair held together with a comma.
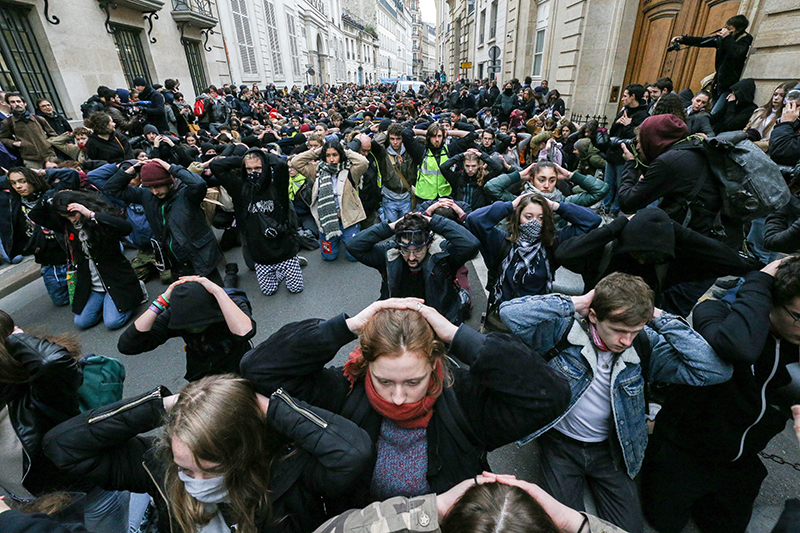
x: 416, y: 238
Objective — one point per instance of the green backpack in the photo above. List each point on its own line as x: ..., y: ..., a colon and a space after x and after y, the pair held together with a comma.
x: 103, y: 378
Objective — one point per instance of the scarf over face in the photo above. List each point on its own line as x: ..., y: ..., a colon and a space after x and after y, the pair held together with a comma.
x: 524, y: 257
x: 326, y: 200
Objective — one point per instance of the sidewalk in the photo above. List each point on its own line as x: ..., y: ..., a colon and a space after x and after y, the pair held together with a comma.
x: 14, y: 277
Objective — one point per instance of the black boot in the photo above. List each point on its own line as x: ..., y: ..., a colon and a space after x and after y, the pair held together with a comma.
x: 231, y: 280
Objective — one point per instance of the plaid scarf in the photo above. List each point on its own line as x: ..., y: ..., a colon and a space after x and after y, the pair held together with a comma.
x: 326, y: 200
x: 530, y: 255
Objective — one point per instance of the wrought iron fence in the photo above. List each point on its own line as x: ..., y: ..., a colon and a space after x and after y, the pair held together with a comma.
x: 580, y: 120
x: 202, y: 7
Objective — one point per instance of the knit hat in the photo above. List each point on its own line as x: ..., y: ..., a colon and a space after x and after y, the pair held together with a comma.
x: 149, y: 128
x: 139, y: 82
x: 304, y: 128
x: 649, y: 231
x: 154, y: 175
x: 660, y: 132
x: 384, y: 124
x: 192, y: 306
x: 124, y: 95
x: 205, y: 147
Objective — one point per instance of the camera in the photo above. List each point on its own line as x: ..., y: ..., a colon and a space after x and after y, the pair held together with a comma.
x: 674, y: 47
x: 619, y: 141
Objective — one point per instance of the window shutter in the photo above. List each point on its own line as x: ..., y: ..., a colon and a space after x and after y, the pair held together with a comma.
x: 274, y: 42
x: 244, y: 37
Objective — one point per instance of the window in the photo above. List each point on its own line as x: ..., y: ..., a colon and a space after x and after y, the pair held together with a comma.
x: 293, y: 45
x: 22, y: 66
x: 274, y: 41
x: 482, y: 26
x: 129, y: 49
x: 195, y: 59
x: 493, y: 20
x: 538, y: 50
x: 244, y: 38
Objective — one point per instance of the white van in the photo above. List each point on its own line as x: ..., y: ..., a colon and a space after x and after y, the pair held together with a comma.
x: 403, y: 86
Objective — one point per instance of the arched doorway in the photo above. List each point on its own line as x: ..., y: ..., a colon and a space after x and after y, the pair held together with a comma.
x: 323, y: 72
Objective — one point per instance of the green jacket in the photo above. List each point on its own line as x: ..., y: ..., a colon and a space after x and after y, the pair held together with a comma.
x: 593, y: 189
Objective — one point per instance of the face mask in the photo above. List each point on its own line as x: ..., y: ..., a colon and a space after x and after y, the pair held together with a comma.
x: 508, y: 91
x: 531, y: 231
x: 210, y: 490
x: 254, y: 176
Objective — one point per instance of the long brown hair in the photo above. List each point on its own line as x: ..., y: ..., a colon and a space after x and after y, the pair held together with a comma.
x: 548, y: 220
x: 11, y: 370
x: 37, y: 182
x: 392, y: 332
x: 219, y: 419
x: 481, y: 173
x: 497, y: 508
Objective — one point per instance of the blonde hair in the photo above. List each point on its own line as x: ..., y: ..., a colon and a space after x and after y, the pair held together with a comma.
x: 220, y: 420
x: 481, y: 174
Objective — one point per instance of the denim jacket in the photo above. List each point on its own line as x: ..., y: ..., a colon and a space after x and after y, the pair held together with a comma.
x: 679, y: 355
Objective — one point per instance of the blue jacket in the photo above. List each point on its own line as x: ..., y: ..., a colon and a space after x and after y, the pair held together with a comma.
x: 141, y: 234
x: 495, y: 245
x: 679, y: 355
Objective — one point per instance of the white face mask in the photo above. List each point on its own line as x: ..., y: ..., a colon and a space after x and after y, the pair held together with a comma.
x: 211, y: 490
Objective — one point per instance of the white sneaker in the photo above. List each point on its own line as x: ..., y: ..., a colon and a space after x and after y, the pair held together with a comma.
x: 303, y: 261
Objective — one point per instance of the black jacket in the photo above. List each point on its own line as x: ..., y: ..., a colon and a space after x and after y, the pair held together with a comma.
x: 49, y: 397
x: 671, y: 178
x: 114, y: 269
x: 57, y: 122
x: 637, y: 115
x: 730, y: 58
x: 736, y: 115
x: 264, y: 215
x: 466, y: 188
x: 114, y: 150
x: 700, y: 122
x: 325, y: 455
x: 186, y: 237
x: 213, y: 351
x: 689, y: 255
x: 507, y: 393
x: 155, y: 113
x: 446, y: 255
x: 724, y: 422
x: 784, y: 143
x: 782, y: 233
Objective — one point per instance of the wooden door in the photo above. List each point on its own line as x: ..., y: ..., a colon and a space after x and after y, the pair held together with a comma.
x: 657, y: 22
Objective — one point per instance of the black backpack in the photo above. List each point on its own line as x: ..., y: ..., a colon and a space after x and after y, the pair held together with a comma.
x: 92, y: 105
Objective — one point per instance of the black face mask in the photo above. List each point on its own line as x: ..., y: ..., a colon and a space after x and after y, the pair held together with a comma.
x: 508, y: 91
x: 255, y: 177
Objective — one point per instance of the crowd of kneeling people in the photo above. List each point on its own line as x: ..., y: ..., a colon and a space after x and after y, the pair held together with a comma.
x: 270, y: 438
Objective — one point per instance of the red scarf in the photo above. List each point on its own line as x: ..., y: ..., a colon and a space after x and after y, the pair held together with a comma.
x: 598, y: 342
x: 408, y: 415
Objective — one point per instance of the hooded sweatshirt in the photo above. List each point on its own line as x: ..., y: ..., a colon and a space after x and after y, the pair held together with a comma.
x: 737, y: 114
x: 263, y: 212
x: 659, y: 133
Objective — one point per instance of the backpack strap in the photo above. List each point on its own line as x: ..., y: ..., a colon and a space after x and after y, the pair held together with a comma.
x: 641, y: 343
x: 561, y: 345
x: 688, y: 202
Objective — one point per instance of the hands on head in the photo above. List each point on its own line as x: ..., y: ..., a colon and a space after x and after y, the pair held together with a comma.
x: 443, y: 328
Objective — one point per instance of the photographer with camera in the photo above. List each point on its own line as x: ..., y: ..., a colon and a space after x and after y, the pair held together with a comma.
x: 154, y: 111
x: 733, y: 44
x: 784, y: 143
x: 632, y: 114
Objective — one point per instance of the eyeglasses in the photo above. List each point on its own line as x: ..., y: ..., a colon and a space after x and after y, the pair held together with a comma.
x: 416, y: 252
x: 795, y: 317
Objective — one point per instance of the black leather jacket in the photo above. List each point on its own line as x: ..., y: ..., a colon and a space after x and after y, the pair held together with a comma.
x: 326, y: 454
x: 50, y: 396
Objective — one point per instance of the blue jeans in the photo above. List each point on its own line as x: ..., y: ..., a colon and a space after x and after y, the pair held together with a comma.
x: 391, y: 210
x: 755, y: 241
x: 330, y: 248
x: 612, y: 174
x: 100, y: 305
x: 106, y: 511
x: 55, y: 281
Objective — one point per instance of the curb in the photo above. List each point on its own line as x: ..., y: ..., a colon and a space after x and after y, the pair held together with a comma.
x: 14, y: 277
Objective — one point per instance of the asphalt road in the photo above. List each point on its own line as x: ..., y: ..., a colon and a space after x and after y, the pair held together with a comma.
x: 330, y: 289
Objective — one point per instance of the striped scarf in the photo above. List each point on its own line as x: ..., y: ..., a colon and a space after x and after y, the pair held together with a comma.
x: 326, y: 201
